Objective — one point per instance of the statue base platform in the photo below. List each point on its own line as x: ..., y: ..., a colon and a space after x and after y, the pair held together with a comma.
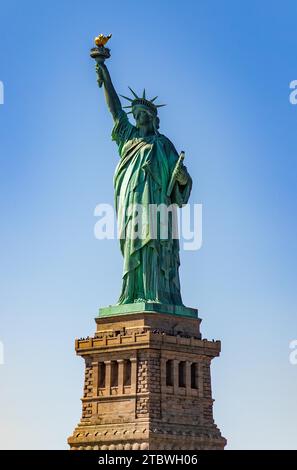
x: 151, y: 307
x: 147, y: 383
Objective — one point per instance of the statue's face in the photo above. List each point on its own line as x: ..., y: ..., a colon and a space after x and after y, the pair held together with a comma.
x: 142, y: 117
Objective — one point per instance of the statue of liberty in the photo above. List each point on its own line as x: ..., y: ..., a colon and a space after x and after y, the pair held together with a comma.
x: 147, y: 162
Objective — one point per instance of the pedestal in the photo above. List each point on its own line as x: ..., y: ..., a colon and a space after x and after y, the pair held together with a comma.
x: 147, y: 383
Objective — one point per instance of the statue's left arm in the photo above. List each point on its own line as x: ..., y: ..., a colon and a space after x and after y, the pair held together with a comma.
x: 183, y: 184
x: 182, y: 175
x: 182, y: 188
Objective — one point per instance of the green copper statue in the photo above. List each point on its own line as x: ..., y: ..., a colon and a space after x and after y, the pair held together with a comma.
x: 146, y: 174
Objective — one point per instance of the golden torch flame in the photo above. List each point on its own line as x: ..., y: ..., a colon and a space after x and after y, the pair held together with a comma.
x: 101, y: 40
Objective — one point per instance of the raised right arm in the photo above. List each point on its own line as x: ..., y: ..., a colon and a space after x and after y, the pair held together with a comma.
x: 111, y: 97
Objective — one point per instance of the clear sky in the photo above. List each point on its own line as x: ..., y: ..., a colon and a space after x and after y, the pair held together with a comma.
x: 224, y: 70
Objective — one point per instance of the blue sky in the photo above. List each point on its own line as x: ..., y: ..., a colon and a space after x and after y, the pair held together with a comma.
x: 224, y: 70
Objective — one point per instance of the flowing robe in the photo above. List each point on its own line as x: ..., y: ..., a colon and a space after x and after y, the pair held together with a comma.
x: 142, y: 176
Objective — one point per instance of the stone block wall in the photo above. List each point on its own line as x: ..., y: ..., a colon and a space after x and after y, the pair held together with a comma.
x: 142, y: 400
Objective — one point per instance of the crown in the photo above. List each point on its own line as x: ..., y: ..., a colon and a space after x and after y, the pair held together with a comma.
x: 142, y: 101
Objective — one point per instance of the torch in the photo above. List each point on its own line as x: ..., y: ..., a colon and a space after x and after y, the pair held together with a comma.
x: 100, y: 53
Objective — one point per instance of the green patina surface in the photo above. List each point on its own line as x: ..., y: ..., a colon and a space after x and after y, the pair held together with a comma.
x: 147, y: 307
x: 149, y: 165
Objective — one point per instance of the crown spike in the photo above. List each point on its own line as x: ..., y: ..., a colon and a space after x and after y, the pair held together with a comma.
x: 160, y: 105
x: 127, y: 106
x: 143, y: 95
x: 137, y: 97
x: 126, y: 98
x: 153, y: 99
